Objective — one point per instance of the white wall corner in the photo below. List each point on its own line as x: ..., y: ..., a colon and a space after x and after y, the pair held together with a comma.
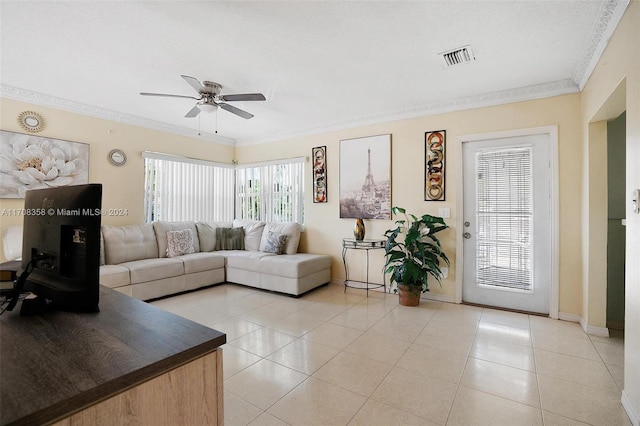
x: 631, y: 411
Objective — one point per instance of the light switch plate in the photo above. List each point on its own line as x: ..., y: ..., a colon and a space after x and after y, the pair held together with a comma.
x: 444, y: 212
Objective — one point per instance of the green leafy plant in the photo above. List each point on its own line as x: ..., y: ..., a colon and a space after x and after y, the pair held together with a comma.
x: 413, y: 251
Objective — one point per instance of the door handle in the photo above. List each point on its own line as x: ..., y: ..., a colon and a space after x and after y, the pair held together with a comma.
x: 466, y: 235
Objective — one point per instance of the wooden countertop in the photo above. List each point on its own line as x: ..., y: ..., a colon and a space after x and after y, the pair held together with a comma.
x: 58, y: 363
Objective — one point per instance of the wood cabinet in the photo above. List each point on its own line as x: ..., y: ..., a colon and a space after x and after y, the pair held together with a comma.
x: 131, y: 363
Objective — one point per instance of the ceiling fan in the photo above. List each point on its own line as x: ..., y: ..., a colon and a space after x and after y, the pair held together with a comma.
x: 210, y: 98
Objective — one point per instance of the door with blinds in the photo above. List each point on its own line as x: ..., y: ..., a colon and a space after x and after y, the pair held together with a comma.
x: 507, y: 223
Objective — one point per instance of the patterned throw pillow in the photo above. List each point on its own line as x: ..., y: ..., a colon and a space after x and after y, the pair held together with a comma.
x: 276, y: 243
x: 179, y: 242
x: 229, y: 238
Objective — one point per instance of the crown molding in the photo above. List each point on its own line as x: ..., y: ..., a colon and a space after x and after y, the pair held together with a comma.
x: 25, y: 95
x: 610, y: 14
x: 537, y: 91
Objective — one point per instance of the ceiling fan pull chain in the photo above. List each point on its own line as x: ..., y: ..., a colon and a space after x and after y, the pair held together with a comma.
x: 216, y: 120
x: 198, y: 124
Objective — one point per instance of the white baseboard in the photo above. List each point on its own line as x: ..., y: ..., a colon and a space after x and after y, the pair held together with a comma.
x: 570, y: 317
x: 438, y: 297
x: 589, y: 329
x: 596, y: 331
x: 633, y: 414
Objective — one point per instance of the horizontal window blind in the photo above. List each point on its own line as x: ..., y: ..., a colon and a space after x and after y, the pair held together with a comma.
x: 505, y: 219
x: 272, y: 191
x: 180, y: 189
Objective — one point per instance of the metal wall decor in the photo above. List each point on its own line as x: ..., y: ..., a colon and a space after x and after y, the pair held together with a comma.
x: 434, y: 165
x: 365, y: 177
x: 319, y: 158
x: 31, y: 121
x: 35, y: 162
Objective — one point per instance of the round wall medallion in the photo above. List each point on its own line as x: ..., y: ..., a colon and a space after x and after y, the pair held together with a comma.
x: 117, y: 157
x: 31, y: 121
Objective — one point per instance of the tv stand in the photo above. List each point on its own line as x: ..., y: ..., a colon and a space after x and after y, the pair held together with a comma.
x: 131, y: 362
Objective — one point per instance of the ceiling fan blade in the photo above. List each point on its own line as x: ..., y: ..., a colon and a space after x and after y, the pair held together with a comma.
x: 243, y: 97
x: 193, y: 82
x: 236, y: 111
x: 193, y: 112
x: 168, y: 95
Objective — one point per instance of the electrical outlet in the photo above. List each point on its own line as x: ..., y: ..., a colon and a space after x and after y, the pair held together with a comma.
x: 445, y: 272
x: 444, y: 212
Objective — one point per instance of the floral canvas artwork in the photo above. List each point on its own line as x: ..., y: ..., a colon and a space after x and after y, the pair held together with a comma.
x: 36, y: 162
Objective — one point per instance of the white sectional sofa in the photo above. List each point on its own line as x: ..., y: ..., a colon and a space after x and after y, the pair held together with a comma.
x: 142, y: 260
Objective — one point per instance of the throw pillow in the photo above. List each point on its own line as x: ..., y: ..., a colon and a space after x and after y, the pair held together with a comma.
x: 229, y: 238
x: 179, y: 242
x: 275, y: 243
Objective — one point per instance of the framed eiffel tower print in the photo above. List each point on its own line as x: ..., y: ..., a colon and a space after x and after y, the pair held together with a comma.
x: 365, y: 177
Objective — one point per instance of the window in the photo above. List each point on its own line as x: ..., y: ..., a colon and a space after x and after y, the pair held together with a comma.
x: 178, y: 188
x: 271, y: 191
x: 505, y: 219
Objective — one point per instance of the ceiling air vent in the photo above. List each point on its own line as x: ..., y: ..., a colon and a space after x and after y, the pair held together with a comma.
x: 457, y: 56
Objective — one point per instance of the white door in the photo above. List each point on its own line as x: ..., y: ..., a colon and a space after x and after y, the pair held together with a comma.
x: 507, y: 223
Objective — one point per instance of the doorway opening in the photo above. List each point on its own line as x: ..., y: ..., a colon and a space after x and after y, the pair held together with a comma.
x: 616, y: 178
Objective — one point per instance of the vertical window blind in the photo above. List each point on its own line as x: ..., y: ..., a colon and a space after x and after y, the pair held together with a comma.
x: 178, y: 189
x: 271, y: 191
x: 505, y: 219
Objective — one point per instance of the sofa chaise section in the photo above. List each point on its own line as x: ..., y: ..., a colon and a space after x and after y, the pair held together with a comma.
x: 292, y: 273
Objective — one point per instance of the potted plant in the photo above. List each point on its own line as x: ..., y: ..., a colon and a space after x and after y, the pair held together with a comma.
x: 412, y: 253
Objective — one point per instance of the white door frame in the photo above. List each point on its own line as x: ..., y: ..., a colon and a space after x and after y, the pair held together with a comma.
x: 552, y: 132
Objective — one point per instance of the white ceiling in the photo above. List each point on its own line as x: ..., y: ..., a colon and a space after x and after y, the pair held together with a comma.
x: 321, y: 65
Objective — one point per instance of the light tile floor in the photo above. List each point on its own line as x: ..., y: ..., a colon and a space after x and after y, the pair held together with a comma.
x: 335, y: 358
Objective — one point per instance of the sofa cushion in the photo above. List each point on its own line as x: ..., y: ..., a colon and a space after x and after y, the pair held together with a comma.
x: 128, y: 243
x: 203, y: 261
x: 102, y: 257
x: 275, y: 243
x: 290, y: 229
x: 142, y: 271
x: 12, y: 242
x: 179, y: 242
x: 295, y: 265
x: 229, y: 238
x: 252, y: 233
x: 247, y: 260
x: 161, y: 229
x: 207, y: 233
x: 114, y: 276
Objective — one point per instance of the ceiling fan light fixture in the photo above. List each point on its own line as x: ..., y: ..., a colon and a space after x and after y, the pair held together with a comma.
x: 209, y: 108
x: 210, y: 98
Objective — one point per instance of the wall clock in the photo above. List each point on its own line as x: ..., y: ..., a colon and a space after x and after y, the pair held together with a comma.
x: 31, y: 121
x: 117, y: 157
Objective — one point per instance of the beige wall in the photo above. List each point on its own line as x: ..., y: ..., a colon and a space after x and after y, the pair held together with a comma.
x: 325, y: 230
x: 619, y: 67
x: 123, y: 186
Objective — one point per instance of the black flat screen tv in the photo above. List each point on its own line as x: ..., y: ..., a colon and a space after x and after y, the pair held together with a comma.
x: 61, y: 249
